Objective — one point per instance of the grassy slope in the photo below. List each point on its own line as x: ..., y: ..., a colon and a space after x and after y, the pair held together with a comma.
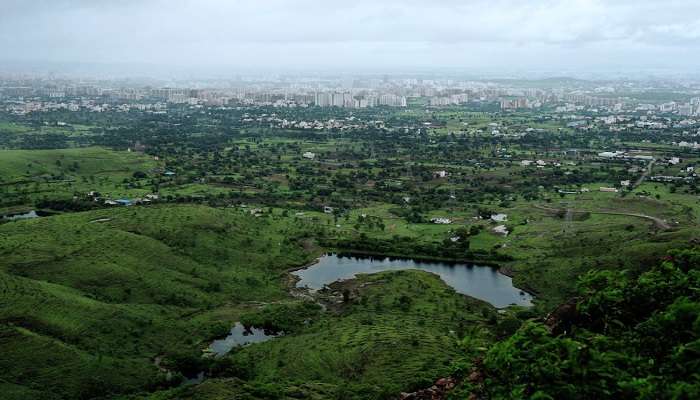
x: 60, y: 173
x: 551, y: 252
x: 108, y: 296
x: 376, y: 346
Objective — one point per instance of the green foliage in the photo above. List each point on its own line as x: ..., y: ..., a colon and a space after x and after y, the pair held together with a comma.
x: 632, y: 338
x: 286, y: 317
x: 402, y: 338
x: 88, y: 300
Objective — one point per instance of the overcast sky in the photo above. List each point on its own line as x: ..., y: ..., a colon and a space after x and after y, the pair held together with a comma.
x: 356, y: 34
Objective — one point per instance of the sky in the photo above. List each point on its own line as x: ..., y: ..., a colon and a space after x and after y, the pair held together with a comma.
x: 369, y: 35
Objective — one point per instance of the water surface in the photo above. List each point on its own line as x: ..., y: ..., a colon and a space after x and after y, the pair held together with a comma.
x: 239, y: 336
x: 481, y: 282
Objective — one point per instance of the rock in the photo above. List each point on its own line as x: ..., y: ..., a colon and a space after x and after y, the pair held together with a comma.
x: 475, y: 376
x: 436, y: 392
x: 561, y: 319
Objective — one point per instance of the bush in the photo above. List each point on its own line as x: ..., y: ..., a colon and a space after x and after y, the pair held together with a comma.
x: 632, y: 338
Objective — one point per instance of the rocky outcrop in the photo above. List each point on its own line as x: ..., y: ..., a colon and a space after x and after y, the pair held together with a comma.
x: 438, y: 391
x: 563, y: 317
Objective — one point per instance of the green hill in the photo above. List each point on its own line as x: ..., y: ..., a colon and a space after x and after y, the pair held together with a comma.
x: 89, y: 299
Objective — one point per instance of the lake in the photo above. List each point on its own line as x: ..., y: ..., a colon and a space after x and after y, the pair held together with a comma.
x: 482, y: 282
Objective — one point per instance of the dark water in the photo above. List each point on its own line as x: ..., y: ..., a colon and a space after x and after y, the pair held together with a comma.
x: 239, y: 336
x: 481, y: 282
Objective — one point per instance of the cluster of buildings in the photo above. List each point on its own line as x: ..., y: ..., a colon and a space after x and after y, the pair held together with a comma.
x: 275, y: 121
x: 97, y: 197
x: 348, y: 100
x: 25, y: 107
x: 449, y: 100
x: 622, y: 155
x: 357, y: 92
x: 517, y: 103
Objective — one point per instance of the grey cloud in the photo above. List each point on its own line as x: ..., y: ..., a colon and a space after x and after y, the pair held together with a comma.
x: 317, y: 32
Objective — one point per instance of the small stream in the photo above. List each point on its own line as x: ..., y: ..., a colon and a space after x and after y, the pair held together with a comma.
x: 18, y: 216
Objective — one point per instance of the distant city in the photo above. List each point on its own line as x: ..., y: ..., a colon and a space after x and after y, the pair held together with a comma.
x: 28, y: 94
x: 618, y: 106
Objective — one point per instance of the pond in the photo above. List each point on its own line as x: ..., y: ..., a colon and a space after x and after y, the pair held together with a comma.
x: 239, y: 336
x: 482, y: 282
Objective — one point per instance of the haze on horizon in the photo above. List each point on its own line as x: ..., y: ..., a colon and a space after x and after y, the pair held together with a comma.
x: 483, y: 35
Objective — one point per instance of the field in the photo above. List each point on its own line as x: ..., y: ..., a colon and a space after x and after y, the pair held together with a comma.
x: 28, y: 176
x: 104, y: 301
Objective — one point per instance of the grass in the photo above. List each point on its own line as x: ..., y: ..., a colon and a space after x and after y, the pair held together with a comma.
x: 90, y: 299
x: 149, y: 272
x: 31, y: 175
x: 166, y: 278
x: 398, y: 332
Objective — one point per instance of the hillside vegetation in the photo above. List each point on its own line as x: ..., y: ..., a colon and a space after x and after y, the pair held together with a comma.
x: 89, y: 299
x: 625, y: 337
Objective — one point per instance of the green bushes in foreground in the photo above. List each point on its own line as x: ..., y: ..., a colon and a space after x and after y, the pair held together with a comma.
x: 629, y: 338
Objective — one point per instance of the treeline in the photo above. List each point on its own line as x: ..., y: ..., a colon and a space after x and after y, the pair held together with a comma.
x: 454, y: 249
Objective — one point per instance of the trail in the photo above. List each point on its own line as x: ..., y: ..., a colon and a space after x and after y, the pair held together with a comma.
x: 568, y: 218
x: 644, y: 175
x: 658, y: 222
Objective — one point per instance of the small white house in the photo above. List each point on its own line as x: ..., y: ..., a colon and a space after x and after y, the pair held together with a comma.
x: 309, y: 155
x: 611, y: 154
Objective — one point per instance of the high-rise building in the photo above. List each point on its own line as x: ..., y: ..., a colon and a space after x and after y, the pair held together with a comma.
x: 323, y: 99
x: 392, y: 100
x: 685, y: 110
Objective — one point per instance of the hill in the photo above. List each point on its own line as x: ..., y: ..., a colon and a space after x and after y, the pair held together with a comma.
x: 89, y: 299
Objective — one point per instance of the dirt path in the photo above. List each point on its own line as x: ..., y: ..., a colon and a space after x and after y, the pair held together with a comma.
x: 658, y: 222
x: 646, y: 172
